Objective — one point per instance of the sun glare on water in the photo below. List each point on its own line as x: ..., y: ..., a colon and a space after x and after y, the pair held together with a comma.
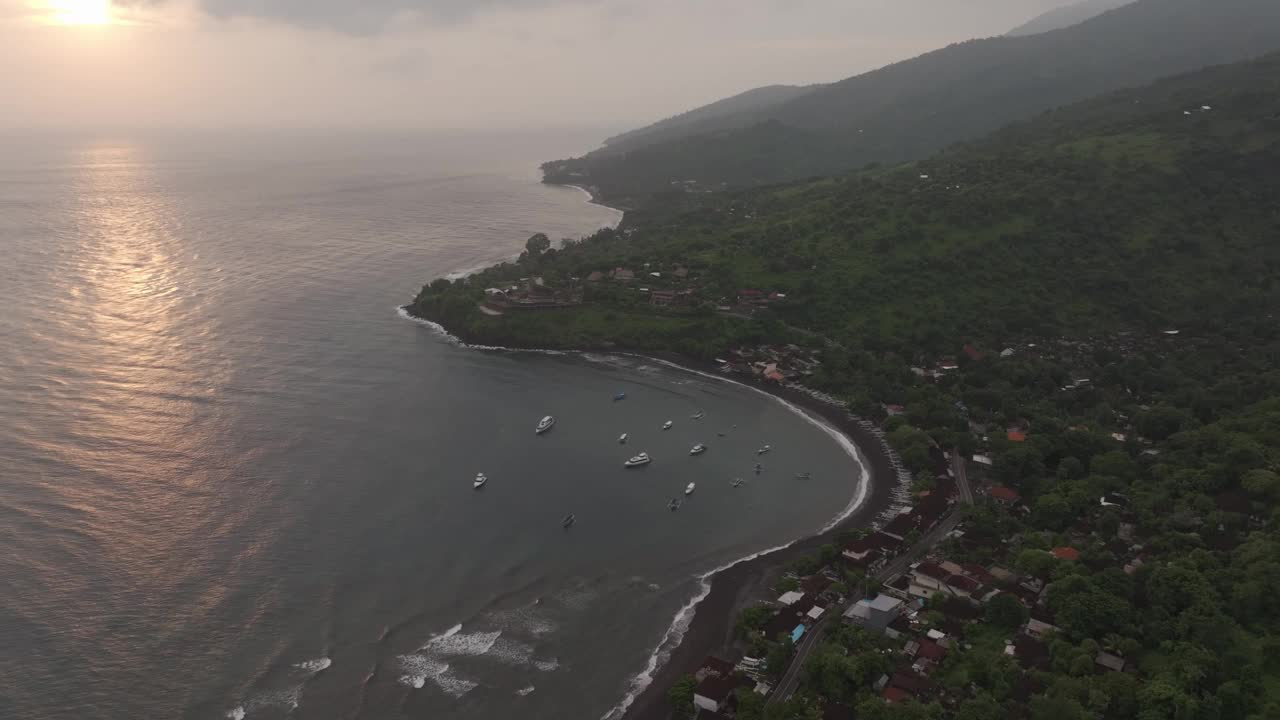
x: 79, y: 12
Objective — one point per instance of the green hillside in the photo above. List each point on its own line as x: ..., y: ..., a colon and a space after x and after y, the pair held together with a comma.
x: 911, y: 109
x: 1136, y: 210
x: 1081, y: 241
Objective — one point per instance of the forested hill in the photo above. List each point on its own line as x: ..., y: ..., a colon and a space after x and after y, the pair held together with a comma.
x: 1138, y: 210
x: 1088, y: 300
x: 1067, y: 16
x: 911, y: 109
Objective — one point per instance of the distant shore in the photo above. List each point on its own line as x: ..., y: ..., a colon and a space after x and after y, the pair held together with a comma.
x: 711, y: 628
x: 595, y: 198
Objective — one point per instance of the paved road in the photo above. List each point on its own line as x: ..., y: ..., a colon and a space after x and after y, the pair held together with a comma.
x: 899, y: 565
x: 962, y: 478
x: 811, y: 639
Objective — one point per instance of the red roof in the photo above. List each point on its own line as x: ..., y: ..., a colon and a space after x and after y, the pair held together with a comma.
x: 1000, y: 492
x: 931, y: 570
x: 931, y: 650
x: 966, y: 584
x: 893, y: 694
x: 1017, y: 436
x: 972, y: 352
x: 978, y: 572
x: 1066, y: 553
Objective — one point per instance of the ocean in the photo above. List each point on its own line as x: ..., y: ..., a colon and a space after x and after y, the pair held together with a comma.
x: 236, y: 482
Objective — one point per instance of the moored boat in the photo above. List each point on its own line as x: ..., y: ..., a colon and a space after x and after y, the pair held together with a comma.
x: 568, y: 520
x: 698, y: 449
x: 622, y: 439
x: 545, y: 424
x: 667, y: 425
x: 480, y: 480
x: 638, y: 460
x: 690, y: 488
x: 764, y: 449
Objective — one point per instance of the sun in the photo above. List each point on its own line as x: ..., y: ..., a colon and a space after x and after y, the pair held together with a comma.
x: 79, y: 12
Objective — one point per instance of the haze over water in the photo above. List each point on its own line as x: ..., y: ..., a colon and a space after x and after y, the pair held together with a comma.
x: 234, y: 482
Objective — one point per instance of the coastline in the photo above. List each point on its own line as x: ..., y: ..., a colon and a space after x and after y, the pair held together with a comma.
x: 593, y: 198
x: 710, y: 617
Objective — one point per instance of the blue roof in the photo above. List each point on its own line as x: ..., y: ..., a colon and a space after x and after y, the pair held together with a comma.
x: 795, y: 634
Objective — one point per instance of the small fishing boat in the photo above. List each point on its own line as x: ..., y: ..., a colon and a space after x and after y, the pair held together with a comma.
x: 622, y: 439
x: 803, y: 476
x: 674, y: 505
x: 690, y: 488
x: 759, y: 468
x: 764, y: 449
x: 667, y: 425
x: 698, y: 415
x: 480, y: 480
x: 544, y: 424
x: 737, y: 482
x: 698, y: 449
x: 638, y: 460
x: 620, y: 396
x: 721, y: 434
x: 568, y: 520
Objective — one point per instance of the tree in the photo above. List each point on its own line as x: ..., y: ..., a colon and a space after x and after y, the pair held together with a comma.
x: 751, y: 704
x: 1262, y: 483
x: 681, y: 696
x: 1006, y: 611
x: 537, y: 244
x: 981, y: 707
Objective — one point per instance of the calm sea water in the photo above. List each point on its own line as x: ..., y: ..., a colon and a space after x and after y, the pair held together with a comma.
x: 235, y: 483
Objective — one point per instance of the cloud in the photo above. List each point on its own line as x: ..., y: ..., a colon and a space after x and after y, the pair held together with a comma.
x: 361, y: 16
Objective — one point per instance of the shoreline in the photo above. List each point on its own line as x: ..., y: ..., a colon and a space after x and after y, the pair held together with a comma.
x: 727, y: 589
x: 592, y: 198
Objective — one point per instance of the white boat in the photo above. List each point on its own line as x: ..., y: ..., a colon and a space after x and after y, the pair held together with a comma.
x: 698, y: 449
x: 622, y: 438
x: 764, y: 449
x: 480, y: 480
x: 545, y: 424
x: 638, y: 460
x: 667, y: 425
x: 690, y: 488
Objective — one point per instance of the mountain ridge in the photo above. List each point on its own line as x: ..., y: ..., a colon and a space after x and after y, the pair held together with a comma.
x: 909, y: 109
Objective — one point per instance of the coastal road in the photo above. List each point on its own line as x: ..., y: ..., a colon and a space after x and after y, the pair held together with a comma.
x: 962, y: 479
x: 899, y: 565
x: 791, y: 678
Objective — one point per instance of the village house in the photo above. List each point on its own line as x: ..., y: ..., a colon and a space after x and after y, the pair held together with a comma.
x: 874, y: 614
x: 717, y: 683
x: 1039, y: 628
x: 1003, y: 495
x: 622, y: 275
x: 669, y: 298
x: 1106, y: 660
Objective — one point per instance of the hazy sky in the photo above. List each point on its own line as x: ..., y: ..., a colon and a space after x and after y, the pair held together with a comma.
x: 444, y: 63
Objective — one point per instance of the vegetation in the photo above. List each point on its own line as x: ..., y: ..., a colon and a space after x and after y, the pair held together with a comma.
x: 908, y: 110
x: 1078, y: 241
